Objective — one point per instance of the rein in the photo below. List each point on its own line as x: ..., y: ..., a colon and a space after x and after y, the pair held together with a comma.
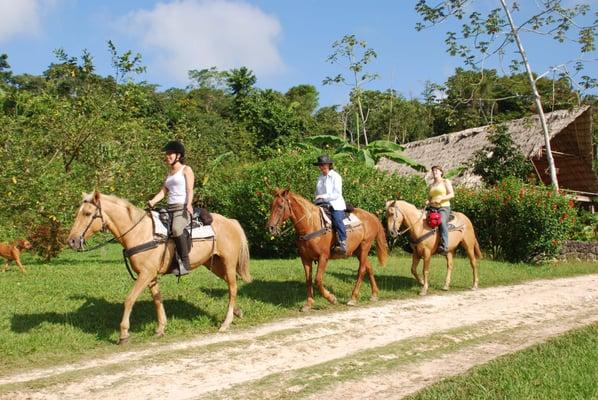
x: 288, y: 229
x: 396, y: 207
x: 98, y: 214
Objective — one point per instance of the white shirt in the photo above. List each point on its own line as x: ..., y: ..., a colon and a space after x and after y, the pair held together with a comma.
x: 331, y: 187
x: 177, y: 188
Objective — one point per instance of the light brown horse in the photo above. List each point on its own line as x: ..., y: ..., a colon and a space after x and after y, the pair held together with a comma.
x: 306, y: 219
x: 400, y: 213
x: 131, y: 226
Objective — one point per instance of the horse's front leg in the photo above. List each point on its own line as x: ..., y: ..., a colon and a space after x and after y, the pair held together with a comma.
x: 143, y: 280
x: 307, y: 267
x: 414, y: 263
x: 160, y: 313
x: 424, y: 289
x: 449, y: 270
x: 322, y: 263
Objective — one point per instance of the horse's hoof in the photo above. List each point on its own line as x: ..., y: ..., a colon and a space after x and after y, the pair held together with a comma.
x: 374, y: 298
x: 123, y: 341
x: 238, y: 313
x: 305, y: 308
x: 474, y: 288
x: 159, y: 334
x: 352, y: 302
x: 423, y: 292
x: 223, y: 328
x: 332, y: 299
x: 445, y: 288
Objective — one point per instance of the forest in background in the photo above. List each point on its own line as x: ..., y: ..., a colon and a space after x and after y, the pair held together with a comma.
x: 71, y: 130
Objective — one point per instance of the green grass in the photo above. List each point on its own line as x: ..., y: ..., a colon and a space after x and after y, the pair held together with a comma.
x: 71, y: 308
x: 562, y: 368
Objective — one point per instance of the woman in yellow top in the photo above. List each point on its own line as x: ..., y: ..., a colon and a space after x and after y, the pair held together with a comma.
x: 440, y: 192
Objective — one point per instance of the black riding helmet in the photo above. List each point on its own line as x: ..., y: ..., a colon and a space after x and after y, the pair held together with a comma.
x: 174, y: 147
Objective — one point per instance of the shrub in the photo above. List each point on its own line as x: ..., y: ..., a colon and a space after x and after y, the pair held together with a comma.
x: 245, y: 192
x: 48, y: 239
x: 501, y: 158
x: 518, y: 222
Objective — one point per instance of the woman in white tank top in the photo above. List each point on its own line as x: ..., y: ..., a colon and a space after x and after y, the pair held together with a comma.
x: 178, y: 186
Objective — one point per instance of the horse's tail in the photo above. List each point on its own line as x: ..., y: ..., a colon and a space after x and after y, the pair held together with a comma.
x: 476, y: 249
x: 243, y: 262
x: 381, y: 244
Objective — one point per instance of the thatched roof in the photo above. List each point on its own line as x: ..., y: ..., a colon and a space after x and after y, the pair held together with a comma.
x: 571, y: 143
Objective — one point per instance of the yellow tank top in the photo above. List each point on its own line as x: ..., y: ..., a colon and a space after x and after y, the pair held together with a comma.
x: 439, y: 190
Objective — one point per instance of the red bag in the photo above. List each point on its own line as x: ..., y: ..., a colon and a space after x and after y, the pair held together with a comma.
x: 434, y: 219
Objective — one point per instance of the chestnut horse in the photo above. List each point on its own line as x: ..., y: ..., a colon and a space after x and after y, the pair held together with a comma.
x: 306, y: 219
x: 226, y: 257
x: 400, y: 213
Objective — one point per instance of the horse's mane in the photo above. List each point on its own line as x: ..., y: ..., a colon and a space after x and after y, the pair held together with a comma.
x: 307, y: 206
x: 132, y: 210
x: 406, y: 204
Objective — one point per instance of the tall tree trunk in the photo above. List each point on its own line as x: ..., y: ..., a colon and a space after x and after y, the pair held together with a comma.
x: 365, y: 133
x: 530, y: 77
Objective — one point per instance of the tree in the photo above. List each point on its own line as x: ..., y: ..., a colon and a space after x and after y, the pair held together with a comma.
x: 354, y: 54
x: 125, y: 64
x: 501, y: 159
x: 369, y: 155
x: 303, y: 98
x: 209, y: 78
x: 240, y: 81
x: 5, y: 72
x: 482, y: 33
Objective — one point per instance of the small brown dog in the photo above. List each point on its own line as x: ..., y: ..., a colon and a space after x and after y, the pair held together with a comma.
x: 13, y: 252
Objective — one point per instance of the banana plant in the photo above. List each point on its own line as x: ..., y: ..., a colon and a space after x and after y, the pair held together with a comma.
x: 369, y: 155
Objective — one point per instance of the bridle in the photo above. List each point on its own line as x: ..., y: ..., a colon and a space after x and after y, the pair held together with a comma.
x: 98, y: 214
x: 287, y: 203
x: 394, y: 220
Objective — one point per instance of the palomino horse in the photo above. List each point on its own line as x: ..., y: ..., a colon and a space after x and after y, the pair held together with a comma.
x: 400, y: 213
x: 226, y: 257
x: 306, y: 219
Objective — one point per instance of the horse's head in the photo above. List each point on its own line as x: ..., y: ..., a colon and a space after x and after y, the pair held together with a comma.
x: 394, y: 217
x: 88, y: 220
x: 280, y: 211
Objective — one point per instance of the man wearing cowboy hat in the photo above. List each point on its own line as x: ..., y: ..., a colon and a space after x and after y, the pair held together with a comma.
x: 329, y: 189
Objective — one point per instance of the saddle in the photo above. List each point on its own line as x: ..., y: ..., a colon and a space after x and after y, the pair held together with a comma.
x: 201, y: 222
x: 451, y: 227
x: 433, y: 217
x: 350, y: 220
x: 198, y: 229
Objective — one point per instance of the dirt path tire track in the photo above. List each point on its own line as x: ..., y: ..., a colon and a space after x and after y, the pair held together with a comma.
x: 234, y: 361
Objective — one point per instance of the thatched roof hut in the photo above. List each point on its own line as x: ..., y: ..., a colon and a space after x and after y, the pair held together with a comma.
x: 571, y: 143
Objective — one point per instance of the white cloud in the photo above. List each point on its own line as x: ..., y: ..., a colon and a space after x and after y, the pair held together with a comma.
x: 195, y: 34
x: 19, y: 17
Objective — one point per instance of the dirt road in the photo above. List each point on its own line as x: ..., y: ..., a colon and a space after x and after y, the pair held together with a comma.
x: 385, y: 350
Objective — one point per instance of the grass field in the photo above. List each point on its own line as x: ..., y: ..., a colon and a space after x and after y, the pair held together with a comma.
x: 562, y: 368
x: 71, y: 308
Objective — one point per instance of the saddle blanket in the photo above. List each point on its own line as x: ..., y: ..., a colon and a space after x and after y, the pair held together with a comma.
x: 198, y: 232
x: 351, y: 221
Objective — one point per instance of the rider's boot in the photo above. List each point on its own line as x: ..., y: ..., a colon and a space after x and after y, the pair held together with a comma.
x: 342, y: 247
x: 182, y: 248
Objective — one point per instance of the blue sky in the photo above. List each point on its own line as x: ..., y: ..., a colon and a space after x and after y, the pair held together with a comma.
x: 284, y: 42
